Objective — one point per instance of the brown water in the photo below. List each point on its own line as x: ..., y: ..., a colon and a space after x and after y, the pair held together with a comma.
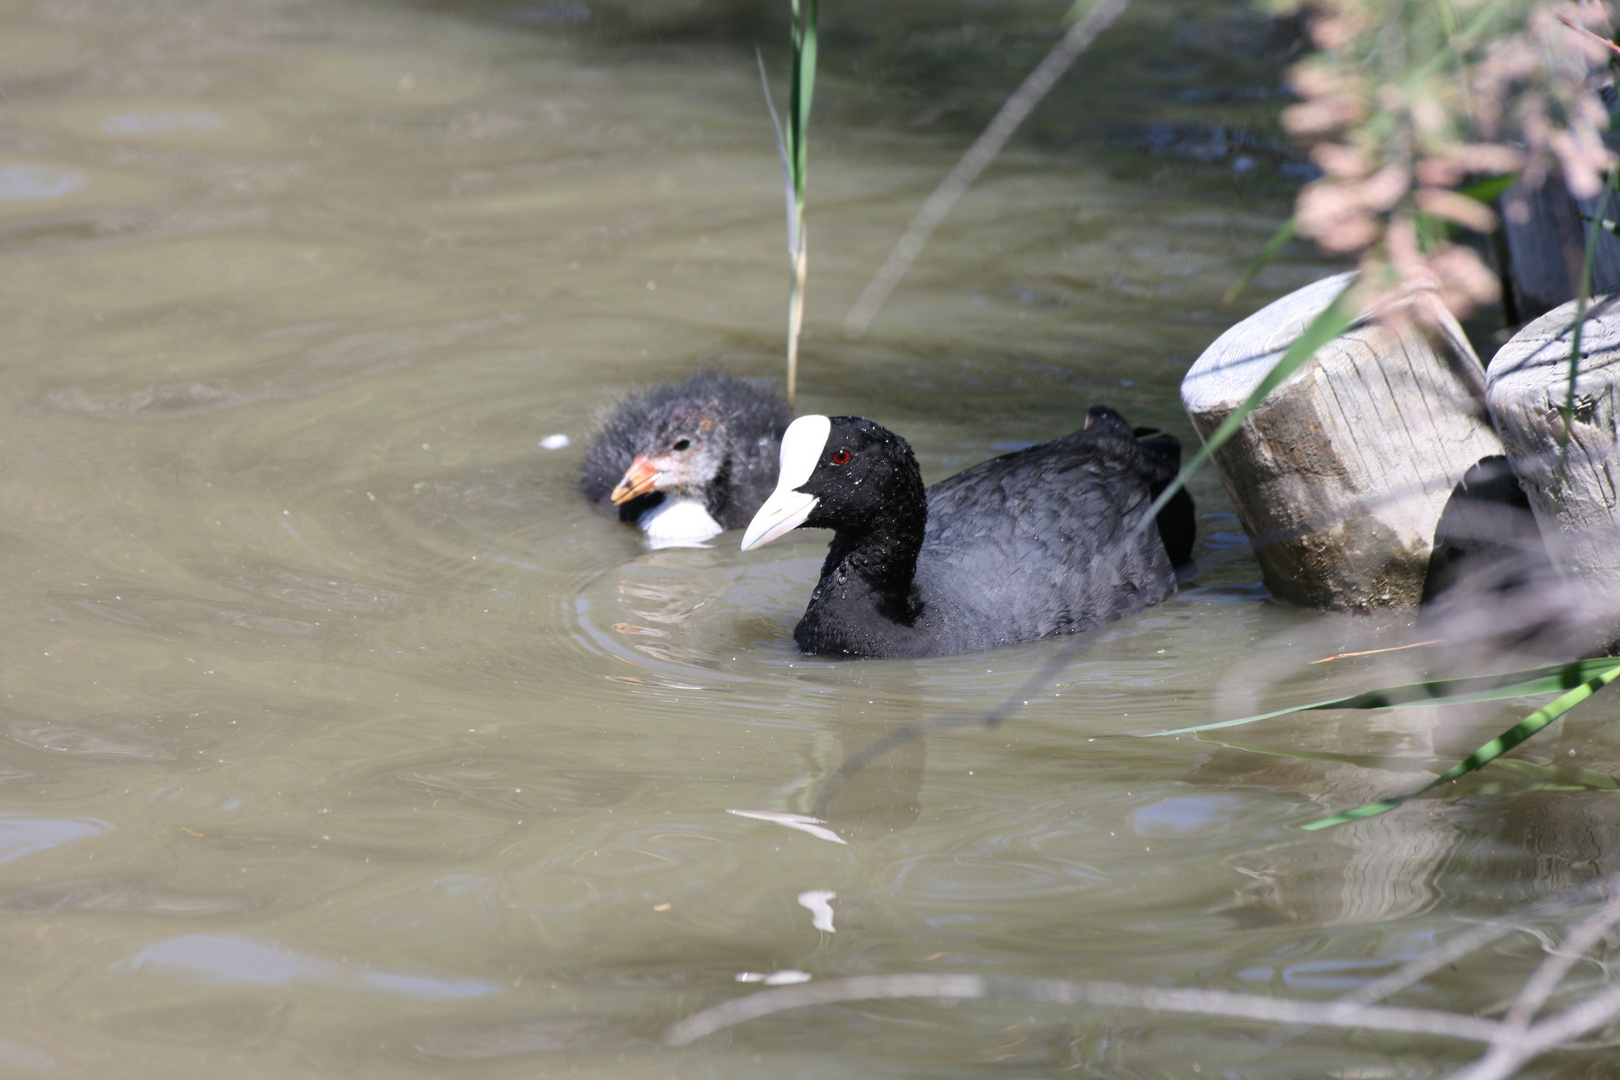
x: 340, y: 738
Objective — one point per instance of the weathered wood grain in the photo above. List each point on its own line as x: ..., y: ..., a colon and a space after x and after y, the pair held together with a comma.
x: 1342, y: 473
x: 1568, y: 473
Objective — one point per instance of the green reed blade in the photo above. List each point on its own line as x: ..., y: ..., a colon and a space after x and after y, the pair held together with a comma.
x: 1489, y: 190
x: 1594, y: 232
x: 1506, y: 684
x: 1334, y: 320
x: 805, y: 20
x: 1492, y: 750
x: 1278, y: 241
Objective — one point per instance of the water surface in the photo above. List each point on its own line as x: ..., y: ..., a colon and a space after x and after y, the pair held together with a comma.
x: 340, y: 738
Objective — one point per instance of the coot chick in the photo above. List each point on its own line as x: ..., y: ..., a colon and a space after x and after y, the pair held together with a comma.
x: 1029, y: 545
x: 688, y: 460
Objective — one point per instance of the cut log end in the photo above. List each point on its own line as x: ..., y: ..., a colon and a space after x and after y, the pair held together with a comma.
x: 1563, y: 445
x: 1341, y: 474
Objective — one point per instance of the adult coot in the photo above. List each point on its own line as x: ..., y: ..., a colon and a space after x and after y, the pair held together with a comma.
x: 1033, y: 544
x: 687, y: 460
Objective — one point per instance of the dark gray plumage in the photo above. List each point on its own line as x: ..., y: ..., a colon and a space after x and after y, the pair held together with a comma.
x: 731, y: 430
x: 1029, y: 545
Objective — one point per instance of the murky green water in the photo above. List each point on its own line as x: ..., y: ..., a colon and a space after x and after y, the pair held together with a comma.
x: 340, y: 738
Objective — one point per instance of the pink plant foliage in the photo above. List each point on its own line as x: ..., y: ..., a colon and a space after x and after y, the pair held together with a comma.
x: 1403, y: 104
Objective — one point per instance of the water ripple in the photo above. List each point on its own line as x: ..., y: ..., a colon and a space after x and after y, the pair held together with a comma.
x: 234, y: 960
x: 26, y: 836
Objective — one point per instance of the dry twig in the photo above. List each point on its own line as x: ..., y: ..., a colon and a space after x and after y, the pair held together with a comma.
x: 1039, y: 83
x: 1073, y: 992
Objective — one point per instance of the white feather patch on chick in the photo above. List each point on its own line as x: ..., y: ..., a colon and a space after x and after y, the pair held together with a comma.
x: 678, y: 522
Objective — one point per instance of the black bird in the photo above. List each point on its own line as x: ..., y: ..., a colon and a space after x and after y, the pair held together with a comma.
x: 1033, y: 544
x: 687, y: 460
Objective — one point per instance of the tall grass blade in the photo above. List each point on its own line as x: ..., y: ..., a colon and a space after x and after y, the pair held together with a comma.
x: 1492, y: 750
x: 801, y: 91
x: 1334, y: 320
x: 1278, y: 241
x: 806, y: 16
x: 1507, y: 684
x: 1489, y: 190
x: 1594, y: 232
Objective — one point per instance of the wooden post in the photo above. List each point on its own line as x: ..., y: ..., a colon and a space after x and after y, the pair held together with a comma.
x: 1340, y: 476
x: 1545, y: 230
x: 1569, y: 475
x: 1544, y: 234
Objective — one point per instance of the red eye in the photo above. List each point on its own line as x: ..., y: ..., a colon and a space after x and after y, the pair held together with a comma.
x: 840, y: 457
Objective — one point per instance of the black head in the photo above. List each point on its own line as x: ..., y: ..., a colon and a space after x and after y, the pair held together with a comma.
x: 843, y: 473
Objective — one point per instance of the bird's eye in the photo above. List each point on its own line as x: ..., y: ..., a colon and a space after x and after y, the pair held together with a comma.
x: 681, y: 444
x: 839, y: 457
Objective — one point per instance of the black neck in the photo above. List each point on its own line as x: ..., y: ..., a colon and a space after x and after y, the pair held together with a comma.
x: 885, y: 558
x: 864, y: 603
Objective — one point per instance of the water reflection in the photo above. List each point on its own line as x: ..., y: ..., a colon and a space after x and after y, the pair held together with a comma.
x: 33, y: 182
x: 17, y: 1054
x: 312, y: 647
x: 228, y: 959
x: 1553, y: 840
x: 155, y: 122
x: 26, y: 836
x: 118, y: 895
x: 1400, y: 865
x: 322, y: 368
x: 1183, y: 815
x: 438, y: 1042
x: 885, y: 797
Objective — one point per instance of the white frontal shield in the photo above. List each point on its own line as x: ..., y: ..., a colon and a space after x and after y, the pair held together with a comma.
x: 788, y: 508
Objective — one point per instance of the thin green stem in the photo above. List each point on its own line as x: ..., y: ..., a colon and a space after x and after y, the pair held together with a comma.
x: 1594, y: 233
x: 1333, y: 320
x: 1507, y: 684
x: 1278, y: 241
x: 1486, y: 754
x: 806, y: 16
